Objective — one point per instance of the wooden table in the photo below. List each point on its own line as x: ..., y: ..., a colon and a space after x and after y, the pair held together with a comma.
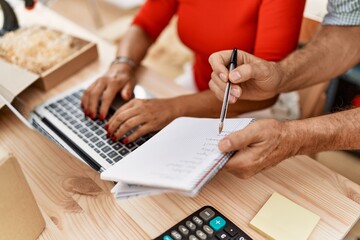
x: 76, y: 204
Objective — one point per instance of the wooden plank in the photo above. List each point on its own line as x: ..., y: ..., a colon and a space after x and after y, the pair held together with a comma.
x: 306, y: 182
x: 66, y: 189
x: 77, y: 204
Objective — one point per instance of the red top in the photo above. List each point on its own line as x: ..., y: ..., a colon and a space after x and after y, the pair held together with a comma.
x: 268, y: 29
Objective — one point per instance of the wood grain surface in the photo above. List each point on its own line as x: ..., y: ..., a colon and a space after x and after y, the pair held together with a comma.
x: 76, y: 204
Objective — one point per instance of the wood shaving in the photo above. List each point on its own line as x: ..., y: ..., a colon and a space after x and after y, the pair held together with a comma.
x: 37, y: 48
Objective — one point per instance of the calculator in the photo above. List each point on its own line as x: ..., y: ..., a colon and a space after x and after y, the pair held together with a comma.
x: 205, y: 224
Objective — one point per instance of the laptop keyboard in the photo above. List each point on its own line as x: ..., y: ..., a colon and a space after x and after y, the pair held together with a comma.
x: 92, y: 132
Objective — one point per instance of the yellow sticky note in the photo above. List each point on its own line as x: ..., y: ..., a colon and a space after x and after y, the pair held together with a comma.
x: 281, y: 219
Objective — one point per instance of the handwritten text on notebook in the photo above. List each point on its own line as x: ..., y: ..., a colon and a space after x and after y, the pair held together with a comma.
x: 180, y: 156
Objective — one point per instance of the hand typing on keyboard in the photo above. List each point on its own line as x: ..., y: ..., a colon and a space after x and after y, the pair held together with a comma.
x: 143, y: 115
x: 118, y: 79
x: 92, y: 132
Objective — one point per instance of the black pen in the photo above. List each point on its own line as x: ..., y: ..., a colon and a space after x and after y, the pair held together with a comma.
x: 232, y: 66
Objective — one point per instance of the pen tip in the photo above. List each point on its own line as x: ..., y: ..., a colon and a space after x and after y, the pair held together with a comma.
x: 220, y: 127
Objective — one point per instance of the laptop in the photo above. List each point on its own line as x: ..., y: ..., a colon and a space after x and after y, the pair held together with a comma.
x: 62, y: 120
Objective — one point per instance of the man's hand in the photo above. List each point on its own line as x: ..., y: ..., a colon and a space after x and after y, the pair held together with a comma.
x: 262, y: 144
x: 118, y: 79
x: 253, y: 79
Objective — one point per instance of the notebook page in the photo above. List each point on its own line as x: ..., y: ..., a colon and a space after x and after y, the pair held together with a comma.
x: 125, y: 191
x: 177, y: 156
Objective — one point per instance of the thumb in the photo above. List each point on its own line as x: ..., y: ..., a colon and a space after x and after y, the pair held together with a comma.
x: 246, y: 72
x: 239, y: 139
x: 249, y: 67
x: 128, y: 89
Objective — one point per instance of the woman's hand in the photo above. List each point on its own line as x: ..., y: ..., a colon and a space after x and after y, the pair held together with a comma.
x: 118, y: 79
x: 148, y: 115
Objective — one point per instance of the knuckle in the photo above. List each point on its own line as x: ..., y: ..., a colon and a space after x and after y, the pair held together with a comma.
x: 218, y: 66
x: 106, y: 97
x: 122, y: 76
x: 87, y: 92
x: 102, y: 79
x: 210, y: 84
x: 265, y: 70
x: 211, y: 58
x: 95, y: 92
x: 143, y: 129
x: 113, y: 81
x: 126, y: 125
x: 112, y: 127
x: 119, y: 119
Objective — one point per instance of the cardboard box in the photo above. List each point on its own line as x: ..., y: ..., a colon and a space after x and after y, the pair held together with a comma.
x: 86, y: 53
x: 58, y: 73
x: 20, y: 217
x: 14, y: 80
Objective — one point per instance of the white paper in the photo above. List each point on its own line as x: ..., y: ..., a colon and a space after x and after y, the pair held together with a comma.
x: 126, y: 191
x: 178, y: 157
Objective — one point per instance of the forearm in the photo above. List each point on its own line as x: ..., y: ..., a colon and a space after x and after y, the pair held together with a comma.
x: 205, y: 104
x: 338, y: 131
x: 134, y: 44
x: 332, y: 51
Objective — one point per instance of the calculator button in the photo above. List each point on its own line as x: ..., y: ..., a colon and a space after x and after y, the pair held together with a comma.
x: 209, y: 231
x: 191, y: 225
x: 222, y: 235
x: 207, y: 214
x: 176, y: 235
x: 167, y: 237
x: 240, y: 237
x: 197, y: 221
x: 192, y: 237
x: 201, y: 234
x: 183, y: 230
x: 231, y: 230
x: 217, y: 223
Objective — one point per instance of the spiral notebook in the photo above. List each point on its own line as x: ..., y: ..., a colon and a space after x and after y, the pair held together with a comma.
x: 182, y: 157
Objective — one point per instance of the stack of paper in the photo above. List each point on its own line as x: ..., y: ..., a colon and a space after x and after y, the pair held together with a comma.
x: 181, y: 157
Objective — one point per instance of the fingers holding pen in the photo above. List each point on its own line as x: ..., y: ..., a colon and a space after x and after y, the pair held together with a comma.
x: 218, y: 62
x: 218, y: 86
